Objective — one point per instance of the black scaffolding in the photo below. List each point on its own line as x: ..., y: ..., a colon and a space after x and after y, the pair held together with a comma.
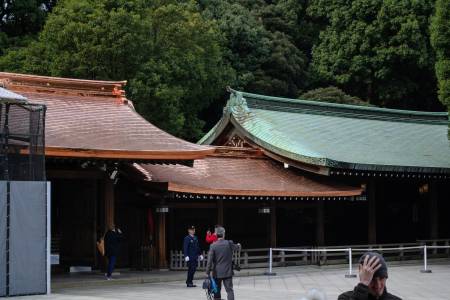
x: 22, y: 190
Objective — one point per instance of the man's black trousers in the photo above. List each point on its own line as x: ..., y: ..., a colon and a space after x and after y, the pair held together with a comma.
x: 192, y: 267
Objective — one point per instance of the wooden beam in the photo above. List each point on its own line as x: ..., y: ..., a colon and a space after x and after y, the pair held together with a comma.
x: 127, y: 154
x: 320, y: 224
x: 372, y: 232
x: 192, y: 205
x: 273, y: 225
x: 162, y: 241
x: 75, y: 174
x: 220, y: 214
x: 109, y: 202
x: 241, y: 203
x: 434, y: 210
x: 95, y: 223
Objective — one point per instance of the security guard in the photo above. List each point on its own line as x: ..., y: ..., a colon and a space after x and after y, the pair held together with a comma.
x: 192, y: 253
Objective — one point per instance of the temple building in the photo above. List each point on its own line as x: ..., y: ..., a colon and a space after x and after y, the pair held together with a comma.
x: 92, y: 130
x: 274, y: 171
x: 400, y: 158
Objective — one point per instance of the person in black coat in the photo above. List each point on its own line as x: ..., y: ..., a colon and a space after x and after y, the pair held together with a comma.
x: 373, y: 274
x: 192, y: 252
x: 113, y: 238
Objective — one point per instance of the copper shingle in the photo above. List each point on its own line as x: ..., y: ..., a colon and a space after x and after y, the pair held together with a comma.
x: 87, y: 118
x: 241, y: 173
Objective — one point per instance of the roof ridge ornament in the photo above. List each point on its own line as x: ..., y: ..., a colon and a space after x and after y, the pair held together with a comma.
x: 237, y: 104
x: 120, y: 94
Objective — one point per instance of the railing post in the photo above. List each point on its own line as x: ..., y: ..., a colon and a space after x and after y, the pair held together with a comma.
x: 350, y: 273
x: 246, y: 259
x: 425, y: 262
x: 270, y: 273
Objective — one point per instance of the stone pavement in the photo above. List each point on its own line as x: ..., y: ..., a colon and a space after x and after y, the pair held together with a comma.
x: 290, y: 284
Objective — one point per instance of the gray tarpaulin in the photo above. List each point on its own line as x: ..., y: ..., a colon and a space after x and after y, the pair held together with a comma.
x: 2, y: 238
x: 28, y: 230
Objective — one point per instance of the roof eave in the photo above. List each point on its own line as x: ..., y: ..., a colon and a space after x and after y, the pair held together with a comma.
x: 181, y: 188
x: 127, y: 155
x: 215, y: 132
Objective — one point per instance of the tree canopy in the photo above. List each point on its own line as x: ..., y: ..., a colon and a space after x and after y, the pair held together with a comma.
x: 332, y: 94
x: 378, y: 50
x: 440, y: 39
x: 171, y: 55
x: 178, y: 56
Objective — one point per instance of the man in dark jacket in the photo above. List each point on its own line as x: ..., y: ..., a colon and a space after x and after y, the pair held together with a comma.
x: 373, y: 274
x: 220, y: 263
x: 112, y: 247
x: 192, y: 253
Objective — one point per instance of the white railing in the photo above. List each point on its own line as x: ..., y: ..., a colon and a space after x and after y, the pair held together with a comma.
x: 177, y: 261
x: 258, y: 258
x: 350, y: 251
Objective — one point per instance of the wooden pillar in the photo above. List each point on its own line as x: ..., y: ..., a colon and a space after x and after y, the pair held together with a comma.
x: 320, y: 229
x: 220, y: 212
x: 434, y: 212
x: 162, y: 241
x: 371, y: 195
x: 95, y: 224
x: 273, y: 225
x: 109, y: 202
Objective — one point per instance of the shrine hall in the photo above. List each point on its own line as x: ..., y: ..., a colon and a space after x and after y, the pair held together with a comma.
x: 273, y: 171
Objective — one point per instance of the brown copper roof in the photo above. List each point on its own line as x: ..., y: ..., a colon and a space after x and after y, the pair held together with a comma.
x: 231, y: 171
x: 93, y: 119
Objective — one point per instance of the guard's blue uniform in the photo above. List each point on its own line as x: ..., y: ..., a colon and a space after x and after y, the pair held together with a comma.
x: 191, y: 249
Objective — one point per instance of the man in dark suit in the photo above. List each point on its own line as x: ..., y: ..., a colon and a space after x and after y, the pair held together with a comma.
x: 192, y: 253
x: 220, y: 263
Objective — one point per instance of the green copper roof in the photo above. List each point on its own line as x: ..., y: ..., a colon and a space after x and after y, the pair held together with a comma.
x: 340, y: 136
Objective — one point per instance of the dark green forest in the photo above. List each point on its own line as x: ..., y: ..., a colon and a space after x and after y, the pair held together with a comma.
x: 178, y: 56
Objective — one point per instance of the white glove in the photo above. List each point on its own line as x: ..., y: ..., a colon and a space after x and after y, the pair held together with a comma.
x: 186, y: 258
x: 201, y: 257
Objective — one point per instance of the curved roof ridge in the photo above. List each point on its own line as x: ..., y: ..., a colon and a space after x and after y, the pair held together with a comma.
x: 345, y: 110
x: 39, y: 83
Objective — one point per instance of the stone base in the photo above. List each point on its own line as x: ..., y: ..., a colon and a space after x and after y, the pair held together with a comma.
x: 425, y: 271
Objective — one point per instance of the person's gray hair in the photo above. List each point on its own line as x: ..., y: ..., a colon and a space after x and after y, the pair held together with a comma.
x: 315, y: 294
x: 220, y: 231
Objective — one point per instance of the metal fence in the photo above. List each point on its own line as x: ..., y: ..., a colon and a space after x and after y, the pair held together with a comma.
x: 177, y: 261
x: 282, y: 257
x: 351, y: 252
